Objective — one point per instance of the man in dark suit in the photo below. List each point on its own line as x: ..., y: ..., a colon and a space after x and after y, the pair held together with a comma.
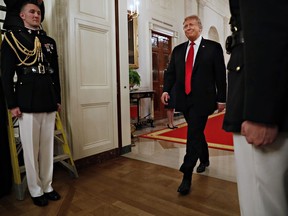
x: 257, y: 104
x: 197, y: 95
x: 34, y: 98
x: 12, y: 19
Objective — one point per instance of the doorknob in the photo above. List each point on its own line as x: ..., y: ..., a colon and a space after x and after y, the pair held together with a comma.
x: 161, y: 86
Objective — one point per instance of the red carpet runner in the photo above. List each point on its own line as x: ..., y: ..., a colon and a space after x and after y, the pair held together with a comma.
x: 216, y: 137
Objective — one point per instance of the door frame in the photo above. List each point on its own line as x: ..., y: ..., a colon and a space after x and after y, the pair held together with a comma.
x: 165, y: 31
x: 162, y: 57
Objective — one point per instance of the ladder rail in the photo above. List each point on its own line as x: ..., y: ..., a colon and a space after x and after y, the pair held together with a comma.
x: 65, y: 144
x: 20, y: 185
x: 13, y: 150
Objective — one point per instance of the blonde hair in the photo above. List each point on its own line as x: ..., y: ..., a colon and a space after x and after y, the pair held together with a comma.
x: 194, y: 17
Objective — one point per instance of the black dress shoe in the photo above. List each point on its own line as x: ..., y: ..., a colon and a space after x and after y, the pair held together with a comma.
x: 201, y: 168
x: 53, y: 195
x: 184, y: 187
x: 40, y: 201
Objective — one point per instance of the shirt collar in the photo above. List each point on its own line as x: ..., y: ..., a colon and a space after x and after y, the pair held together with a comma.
x: 197, y: 41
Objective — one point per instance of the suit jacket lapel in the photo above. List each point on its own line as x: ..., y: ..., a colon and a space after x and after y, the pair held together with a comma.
x: 184, y: 50
x: 199, y: 54
x: 183, y: 58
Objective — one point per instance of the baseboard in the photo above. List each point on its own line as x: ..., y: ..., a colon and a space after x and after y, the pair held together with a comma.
x: 102, y: 157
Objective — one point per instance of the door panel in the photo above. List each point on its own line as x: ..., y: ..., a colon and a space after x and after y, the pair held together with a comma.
x: 161, y: 49
x: 92, y: 77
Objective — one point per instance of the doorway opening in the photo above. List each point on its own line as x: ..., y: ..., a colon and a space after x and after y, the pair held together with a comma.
x: 161, y: 50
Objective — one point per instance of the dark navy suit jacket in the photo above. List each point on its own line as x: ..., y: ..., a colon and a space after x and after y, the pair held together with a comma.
x: 258, y: 89
x: 208, y: 77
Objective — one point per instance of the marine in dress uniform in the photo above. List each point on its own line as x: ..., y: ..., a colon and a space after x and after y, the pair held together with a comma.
x: 34, y: 98
x: 12, y: 22
x: 257, y: 104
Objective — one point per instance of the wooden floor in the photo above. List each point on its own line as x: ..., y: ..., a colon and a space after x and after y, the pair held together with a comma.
x: 127, y: 187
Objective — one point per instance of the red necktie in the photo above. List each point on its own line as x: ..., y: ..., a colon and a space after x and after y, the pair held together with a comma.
x: 189, y: 68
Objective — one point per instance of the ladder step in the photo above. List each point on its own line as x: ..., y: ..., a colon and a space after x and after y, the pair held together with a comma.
x: 61, y: 157
x: 57, y: 158
x: 57, y: 132
x: 22, y: 169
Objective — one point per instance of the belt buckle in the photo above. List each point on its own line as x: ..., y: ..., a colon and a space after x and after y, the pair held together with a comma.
x: 41, y: 69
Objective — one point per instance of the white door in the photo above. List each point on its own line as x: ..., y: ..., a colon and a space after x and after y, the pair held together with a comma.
x: 91, y: 76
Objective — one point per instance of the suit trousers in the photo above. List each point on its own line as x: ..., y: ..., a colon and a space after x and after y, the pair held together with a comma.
x: 262, y: 177
x: 37, y: 138
x: 196, y: 147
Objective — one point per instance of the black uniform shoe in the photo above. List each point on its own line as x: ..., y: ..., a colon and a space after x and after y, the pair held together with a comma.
x: 201, y: 168
x: 53, y: 195
x: 40, y: 201
x: 184, y: 187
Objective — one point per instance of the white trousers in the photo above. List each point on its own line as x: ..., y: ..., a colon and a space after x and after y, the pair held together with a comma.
x: 262, y: 177
x: 37, y: 138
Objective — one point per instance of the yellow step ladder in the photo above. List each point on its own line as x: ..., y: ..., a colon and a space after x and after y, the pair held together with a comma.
x: 65, y: 157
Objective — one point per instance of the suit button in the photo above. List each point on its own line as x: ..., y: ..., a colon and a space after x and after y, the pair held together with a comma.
x: 238, y: 68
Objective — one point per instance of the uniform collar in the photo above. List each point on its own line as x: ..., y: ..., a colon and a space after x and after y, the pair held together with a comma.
x: 34, y: 32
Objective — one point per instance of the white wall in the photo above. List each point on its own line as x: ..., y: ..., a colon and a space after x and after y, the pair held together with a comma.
x: 164, y: 14
x: 216, y: 13
x: 124, y: 79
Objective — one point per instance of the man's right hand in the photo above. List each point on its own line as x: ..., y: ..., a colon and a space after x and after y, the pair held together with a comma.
x: 165, y: 97
x: 16, y: 112
x: 259, y: 134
